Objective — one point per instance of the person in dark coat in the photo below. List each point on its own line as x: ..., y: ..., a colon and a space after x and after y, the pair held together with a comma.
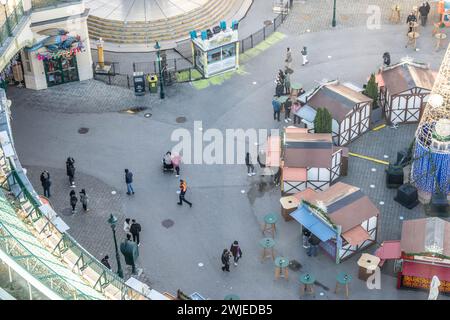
x: 279, y: 88
x: 287, y: 110
x: 84, y: 199
x: 105, y: 262
x: 46, y: 183
x: 70, y: 169
x: 276, y: 109
x: 129, y: 181
x: 277, y: 177
x: 314, y: 245
x: 73, y: 200
x: 249, y: 164
x: 306, y: 234
x: 410, y: 20
x: 424, y: 10
x: 135, y: 229
x: 236, y: 252
x: 225, y: 260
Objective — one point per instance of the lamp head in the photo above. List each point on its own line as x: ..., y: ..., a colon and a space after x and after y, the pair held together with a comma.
x: 157, y: 46
x: 112, y: 220
x: 3, y: 2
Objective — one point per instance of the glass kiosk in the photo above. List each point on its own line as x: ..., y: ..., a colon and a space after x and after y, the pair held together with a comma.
x: 216, y: 52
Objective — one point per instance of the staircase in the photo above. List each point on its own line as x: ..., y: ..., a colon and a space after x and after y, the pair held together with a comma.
x: 174, y: 28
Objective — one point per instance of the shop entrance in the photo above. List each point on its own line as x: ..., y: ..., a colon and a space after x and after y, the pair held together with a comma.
x: 61, y: 70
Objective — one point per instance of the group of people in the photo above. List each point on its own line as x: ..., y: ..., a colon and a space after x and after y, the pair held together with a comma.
x: 235, y: 252
x: 84, y: 199
x: 424, y: 10
x: 132, y: 230
x: 172, y: 162
x: 282, y: 83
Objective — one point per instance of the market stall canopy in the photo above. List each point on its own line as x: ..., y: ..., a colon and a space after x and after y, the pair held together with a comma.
x: 426, y: 236
x: 308, y: 195
x: 339, y: 99
x: 389, y: 250
x: 356, y: 236
x: 307, y: 219
x: 406, y: 75
x: 307, y: 113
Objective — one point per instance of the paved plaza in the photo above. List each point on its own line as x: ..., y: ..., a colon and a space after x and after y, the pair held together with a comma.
x: 186, y: 255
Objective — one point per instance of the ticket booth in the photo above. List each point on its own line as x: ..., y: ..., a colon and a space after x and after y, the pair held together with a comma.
x: 216, y: 50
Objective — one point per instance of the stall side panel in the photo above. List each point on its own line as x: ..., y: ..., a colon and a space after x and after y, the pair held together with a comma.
x: 318, y: 178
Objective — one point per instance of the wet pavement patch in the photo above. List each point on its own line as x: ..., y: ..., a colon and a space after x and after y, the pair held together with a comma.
x: 83, y: 130
x: 180, y: 119
x: 167, y: 223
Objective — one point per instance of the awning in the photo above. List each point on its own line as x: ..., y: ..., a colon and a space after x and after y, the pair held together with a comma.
x: 306, y: 112
x: 313, y: 224
x: 424, y: 270
x: 389, y: 250
x: 294, y: 174
x: 356, y: 236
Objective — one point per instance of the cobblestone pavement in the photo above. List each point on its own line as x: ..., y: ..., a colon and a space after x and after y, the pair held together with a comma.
x: 91, y: 229
x: 316, y: 15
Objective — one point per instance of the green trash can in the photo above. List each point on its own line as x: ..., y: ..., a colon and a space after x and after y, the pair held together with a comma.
x: 152, y: 83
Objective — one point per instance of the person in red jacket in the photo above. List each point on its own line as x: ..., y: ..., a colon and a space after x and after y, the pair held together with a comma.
x: 236, y: 252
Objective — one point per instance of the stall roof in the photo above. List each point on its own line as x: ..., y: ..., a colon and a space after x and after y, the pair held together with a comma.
x: 313, y: 224
x: 389, y: 250
x: 405, y: 76
x: 306, y: 112
x: 419, y: 235
x: 346, y: 205
x: 337, y: 98
x: 307, y: 150
x: 308, y: 194
x: 356, y: 236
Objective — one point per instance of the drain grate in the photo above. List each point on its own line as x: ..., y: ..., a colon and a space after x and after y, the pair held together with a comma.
x: 167, y: 223
x: 83, y: 130
x: 134, y: 110
x: 181, y: 119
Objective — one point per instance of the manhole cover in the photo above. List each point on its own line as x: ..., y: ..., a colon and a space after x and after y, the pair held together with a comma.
x: 147, y: 115
x: 168, y: 223
x: 83, y: 130
x: 181, y: 120
x: 134, y: 110
x: 268, y: 23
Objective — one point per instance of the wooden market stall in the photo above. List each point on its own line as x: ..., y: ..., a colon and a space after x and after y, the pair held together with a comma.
x: 423, y: 252
x: 349, y: 108
x: 310, y: 160
x: 404, y: 90
x: 342, y: 217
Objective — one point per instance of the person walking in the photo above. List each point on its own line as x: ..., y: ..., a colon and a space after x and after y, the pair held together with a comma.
x: 84, y: 199
x: 183, y: 189
x: 288, y: 59
x: 73, y: 200
x: 410, y: 21
x: 127, y: 225
x: 236, y: 252
x: 105, y: 262
x: 46, y: 183
x: 424, y: 10
x: 70, y: 170
x: 314, y: 245
x: 277, y: 177
x: 135, y: 229
x: 287, y: 110
x: 176, y: 161
x: 304, y: 56
x: 225, y: 260
x: 129, y: 181
x: 276, y: 109
x: 287, y: 83
x: 279, y: 87
x: 306, y: 234
x: 249, y: 164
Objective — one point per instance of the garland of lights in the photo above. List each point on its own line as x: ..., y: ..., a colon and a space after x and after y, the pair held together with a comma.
x: 60, y: 53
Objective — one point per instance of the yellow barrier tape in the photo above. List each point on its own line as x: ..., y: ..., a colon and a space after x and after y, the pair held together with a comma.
x: 369, y: 158
x: 379, y: 127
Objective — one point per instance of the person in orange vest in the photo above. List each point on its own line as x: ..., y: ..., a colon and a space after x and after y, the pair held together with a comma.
x: 183, y: 189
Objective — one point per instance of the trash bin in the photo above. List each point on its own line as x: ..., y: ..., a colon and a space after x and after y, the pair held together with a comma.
x: 152, y: 83
x: 139, y: 83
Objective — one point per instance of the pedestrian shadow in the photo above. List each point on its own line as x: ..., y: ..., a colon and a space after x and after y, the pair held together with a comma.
x: 66, y: 212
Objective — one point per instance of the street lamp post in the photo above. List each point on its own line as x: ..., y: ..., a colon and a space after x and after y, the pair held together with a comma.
x: 161, y: 85
x: 333, y: 23
x: 8, y: 27
x: 112, y: 221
